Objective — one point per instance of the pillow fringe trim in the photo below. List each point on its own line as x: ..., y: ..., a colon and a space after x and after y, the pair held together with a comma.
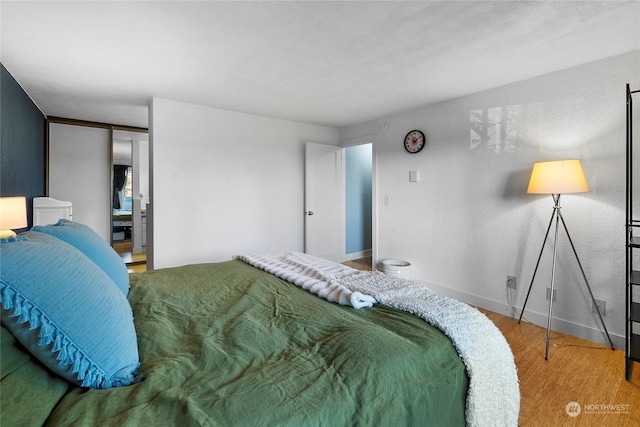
x: 68, y: 353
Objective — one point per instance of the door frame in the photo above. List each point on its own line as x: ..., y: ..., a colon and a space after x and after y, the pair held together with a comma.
x: 373, y: 140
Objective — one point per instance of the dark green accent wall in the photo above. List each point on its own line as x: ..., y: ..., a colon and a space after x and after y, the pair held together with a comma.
x: 22, y: 145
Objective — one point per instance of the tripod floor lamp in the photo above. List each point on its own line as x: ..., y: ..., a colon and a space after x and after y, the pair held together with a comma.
x: 557, y: 178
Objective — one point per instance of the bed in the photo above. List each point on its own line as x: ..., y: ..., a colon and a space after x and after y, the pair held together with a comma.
x: 122, y: 223
x: 47, y: 210
x: 257, y: 340
x: 122, y: 217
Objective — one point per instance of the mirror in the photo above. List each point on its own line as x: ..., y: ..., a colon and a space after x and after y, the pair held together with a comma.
x: 130, y: 194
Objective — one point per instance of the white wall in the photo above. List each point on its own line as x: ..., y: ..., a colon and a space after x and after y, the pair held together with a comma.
x: 469, y: 222
x: 226, y: 183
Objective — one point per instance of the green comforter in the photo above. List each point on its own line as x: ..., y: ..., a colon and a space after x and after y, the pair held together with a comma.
x: 230, y: 345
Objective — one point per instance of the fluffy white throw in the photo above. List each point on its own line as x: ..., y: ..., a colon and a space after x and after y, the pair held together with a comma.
x: 493, y: 397
x: 316, y: 275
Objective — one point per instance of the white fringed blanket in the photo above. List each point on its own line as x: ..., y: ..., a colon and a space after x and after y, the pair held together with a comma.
x: 313, y: 274
x: 493, y: 398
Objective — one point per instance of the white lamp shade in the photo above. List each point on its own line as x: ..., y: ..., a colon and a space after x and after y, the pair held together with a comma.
x: 13, y: 213
x: 557, y: 177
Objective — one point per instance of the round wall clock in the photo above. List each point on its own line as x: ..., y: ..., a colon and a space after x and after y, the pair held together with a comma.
x: 414, y: 141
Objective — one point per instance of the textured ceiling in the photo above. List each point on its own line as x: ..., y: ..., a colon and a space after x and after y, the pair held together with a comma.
x: 329, y: 63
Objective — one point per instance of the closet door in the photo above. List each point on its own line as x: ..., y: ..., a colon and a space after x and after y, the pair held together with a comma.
x: 80, y: 172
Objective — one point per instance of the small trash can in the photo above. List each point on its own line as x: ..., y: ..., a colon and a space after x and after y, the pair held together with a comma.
x: 396, y: 268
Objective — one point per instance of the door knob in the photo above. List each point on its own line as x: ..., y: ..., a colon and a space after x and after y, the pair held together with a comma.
x: 310, y: 213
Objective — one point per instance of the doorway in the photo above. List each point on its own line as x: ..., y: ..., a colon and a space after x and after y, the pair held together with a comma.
x: 358, y: 184
x: 339, y: 201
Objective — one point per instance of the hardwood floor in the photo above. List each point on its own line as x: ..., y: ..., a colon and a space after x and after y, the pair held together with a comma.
x: 590, y: 374
x: 360, y: 264
x: 135, y: 262
x: 578, y: 372
x: 137, y: 268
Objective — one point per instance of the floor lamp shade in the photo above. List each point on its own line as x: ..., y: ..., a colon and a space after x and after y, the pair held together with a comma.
x: 557, y: 177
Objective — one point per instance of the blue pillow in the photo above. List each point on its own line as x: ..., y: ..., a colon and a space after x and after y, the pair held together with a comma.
x: 67, y: 312
x: 92, y: 245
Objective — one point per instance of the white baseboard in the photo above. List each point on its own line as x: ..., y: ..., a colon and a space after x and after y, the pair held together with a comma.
x: 540, y: 319
x: 357, y: 255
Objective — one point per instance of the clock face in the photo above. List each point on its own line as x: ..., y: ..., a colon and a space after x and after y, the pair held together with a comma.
x: 414, y: 141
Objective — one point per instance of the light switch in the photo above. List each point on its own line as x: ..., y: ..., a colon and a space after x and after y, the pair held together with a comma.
x: 414, y: 176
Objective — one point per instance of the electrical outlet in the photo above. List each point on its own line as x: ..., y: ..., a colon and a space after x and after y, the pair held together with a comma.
x: 601, y: 304
x: 555, y: 292
x: 511, y: 282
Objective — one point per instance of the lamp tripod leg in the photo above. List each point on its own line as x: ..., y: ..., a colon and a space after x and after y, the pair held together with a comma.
x: 584, y: 276
x: 556, y: 212
x: 537, y: 265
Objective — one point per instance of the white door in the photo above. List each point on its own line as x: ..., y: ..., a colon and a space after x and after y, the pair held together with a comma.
x: 323, y: 201
x: 140, y: 190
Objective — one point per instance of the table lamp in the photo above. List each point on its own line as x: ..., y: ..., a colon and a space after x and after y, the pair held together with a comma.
x: 13, y: 215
